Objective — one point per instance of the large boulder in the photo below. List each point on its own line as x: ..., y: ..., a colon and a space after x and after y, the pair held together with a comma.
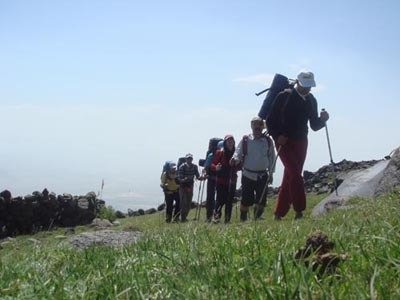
x: 391, y: 175
x: 383, y: 176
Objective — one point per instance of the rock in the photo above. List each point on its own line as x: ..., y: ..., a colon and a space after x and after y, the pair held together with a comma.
x: 104, y: 238
x: 101, y: 223
x: 161, y: 207
x: 391, y: 175
x: 120, y: 214
x: 150, y: 211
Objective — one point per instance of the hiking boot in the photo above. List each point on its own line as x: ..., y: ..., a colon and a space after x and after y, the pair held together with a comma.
x: 243, y: 216
x: 277, y: 218
x: 298, y: 215
x: 169, y: 218
x: 258, y: 211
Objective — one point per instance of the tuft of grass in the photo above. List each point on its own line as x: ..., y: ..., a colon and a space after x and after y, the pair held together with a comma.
x: 198, y: 260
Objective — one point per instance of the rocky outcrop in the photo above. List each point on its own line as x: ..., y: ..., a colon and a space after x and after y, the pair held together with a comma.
x: 322, y: 181
x: 391, y: 175
x: 382, y: 177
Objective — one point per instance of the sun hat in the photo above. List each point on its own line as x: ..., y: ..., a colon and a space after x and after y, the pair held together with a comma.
x: 306, y: 79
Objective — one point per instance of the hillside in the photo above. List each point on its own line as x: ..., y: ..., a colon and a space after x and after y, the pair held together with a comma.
x: 251, y: 260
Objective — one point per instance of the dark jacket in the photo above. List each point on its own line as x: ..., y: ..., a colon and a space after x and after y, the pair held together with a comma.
x: 291, y: 113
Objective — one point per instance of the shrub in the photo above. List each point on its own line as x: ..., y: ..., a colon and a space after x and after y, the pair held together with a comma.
x: 107, y: 212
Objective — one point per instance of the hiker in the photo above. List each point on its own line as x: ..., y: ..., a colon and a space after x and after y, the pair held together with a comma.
x: 256, y: 154
x: 226, y: 176
x: 186, y: 174
x: 290, y: 114
x: 170, y: 186
x: 211, y: 176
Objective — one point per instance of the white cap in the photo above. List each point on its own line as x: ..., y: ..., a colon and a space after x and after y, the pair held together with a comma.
x: 306, y: 79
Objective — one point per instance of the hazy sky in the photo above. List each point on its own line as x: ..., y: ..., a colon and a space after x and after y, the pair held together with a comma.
x: 111, y: 89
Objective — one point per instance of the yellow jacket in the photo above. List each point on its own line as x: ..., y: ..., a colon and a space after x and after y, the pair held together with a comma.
x: 168, y: 183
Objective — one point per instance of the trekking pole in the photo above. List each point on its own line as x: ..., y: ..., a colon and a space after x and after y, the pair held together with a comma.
x: 198, y: 201
x: 266, y: 184
x: 330, y: 154
x: 201, y: 200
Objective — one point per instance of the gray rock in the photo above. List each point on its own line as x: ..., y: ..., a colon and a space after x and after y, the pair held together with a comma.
x: 391, y: 175
x: 120, y: 214
x: 365, y: 181
x: 104, y: 238
x: 101, y: 223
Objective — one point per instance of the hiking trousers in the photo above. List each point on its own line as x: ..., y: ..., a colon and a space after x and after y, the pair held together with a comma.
x: 225, y: 194
x: 186, y: 196
x: 169, y: 201
x: 291, y: 192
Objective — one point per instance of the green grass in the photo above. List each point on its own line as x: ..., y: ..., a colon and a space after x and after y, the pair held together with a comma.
x: 196, y: 260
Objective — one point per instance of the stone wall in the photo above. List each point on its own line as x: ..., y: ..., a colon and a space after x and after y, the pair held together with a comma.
x: 44, y: 211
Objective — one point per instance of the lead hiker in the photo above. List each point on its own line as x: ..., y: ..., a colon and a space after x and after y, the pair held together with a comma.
x: 186, y: 174
x: 292, y: 110
x: 256, y: 154
x: 170, y: 186
x: 226, y: 176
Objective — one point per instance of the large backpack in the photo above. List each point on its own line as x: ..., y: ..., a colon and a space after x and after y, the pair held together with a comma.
x: 181, y: 161
x: 279, y: 84
x: 213, y: 145
x: 166, y: 167
x: 212, y: 148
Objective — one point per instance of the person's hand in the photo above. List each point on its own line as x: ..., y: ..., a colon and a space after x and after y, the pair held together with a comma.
x: 218, y: 167
x: 324, y: 116
x: 232, y: 162
x: 282, y: 140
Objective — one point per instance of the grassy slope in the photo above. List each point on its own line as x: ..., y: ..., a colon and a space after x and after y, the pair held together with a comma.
x: 252, y: 260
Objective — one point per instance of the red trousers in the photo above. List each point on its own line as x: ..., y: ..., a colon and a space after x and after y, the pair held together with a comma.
x: 292, y: 155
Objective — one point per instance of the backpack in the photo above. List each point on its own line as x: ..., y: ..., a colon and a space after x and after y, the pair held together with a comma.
x: 212, y: 148
x: 166, y: 167
x: 213, y: 145
x: 181, y: 161
x: 279, y: 84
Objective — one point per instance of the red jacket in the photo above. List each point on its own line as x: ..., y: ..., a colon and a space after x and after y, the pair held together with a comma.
x: 227, y: 174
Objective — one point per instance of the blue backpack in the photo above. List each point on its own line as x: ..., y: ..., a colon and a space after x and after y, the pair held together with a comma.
x: 167, y: 166
x: 279, y: 84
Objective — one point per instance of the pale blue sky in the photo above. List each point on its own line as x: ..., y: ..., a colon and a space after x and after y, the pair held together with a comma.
x: 112, y: 89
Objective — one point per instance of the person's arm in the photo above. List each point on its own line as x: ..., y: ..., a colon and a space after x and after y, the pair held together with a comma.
x: 163, y: 180
x: 215, y: 161
x: 196, y: 173
x: 316, y: 123
x: 271, y: 158
x: 237, y: 156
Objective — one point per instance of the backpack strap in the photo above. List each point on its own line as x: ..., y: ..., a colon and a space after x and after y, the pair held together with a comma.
x: 245, y: 141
